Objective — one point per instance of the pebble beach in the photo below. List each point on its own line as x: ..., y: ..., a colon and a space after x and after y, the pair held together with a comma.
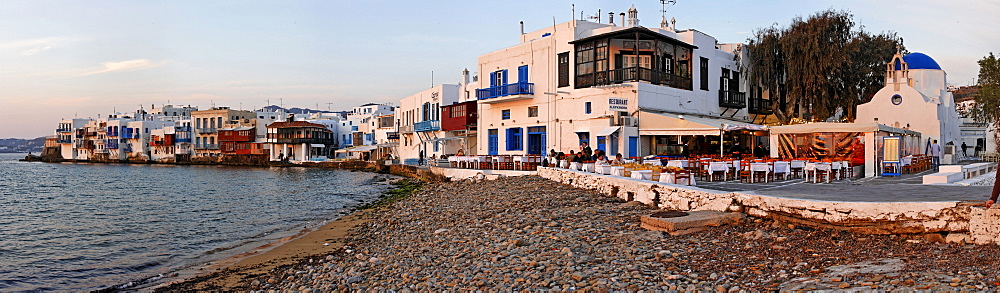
x: 531, y: 234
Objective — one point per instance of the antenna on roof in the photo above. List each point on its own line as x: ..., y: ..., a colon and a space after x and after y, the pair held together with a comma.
x: 663, y: 10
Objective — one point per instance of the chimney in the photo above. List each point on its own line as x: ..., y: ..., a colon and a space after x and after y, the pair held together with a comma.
x: 673, y: 24
x: 611, y: 18
x: 465, y: 76
x: 522, y: 27
x: 633, y: 17
x: 622, y: 18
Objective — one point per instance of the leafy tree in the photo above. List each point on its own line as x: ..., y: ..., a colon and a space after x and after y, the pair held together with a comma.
x: 819, y: 65
x: 987, y: 108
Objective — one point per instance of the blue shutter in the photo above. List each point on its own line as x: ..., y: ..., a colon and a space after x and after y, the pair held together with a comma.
x: 504, y: 77
x: 493, y: 79
x: 522, y: 74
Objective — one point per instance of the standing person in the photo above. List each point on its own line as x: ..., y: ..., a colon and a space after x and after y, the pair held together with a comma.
x: 585, y: 151
x: 420, y: 159
x: 936, y: 154
x: 737, y: 149
x: 964, y: 147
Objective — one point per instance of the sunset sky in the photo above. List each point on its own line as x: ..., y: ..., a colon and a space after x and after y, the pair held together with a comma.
x: 65, y: 59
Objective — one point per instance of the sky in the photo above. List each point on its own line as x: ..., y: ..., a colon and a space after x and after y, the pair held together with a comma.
x: 66, y: 59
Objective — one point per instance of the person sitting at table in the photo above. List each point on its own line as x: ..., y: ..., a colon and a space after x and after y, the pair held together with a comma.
x: 737, y: 149
x: 586, y: 151
x: 760, y: 152
x: 571, y: 157
x: 460, y: 152
x: 602, y: 160
x: 618, y: 159
x: 552, y: 153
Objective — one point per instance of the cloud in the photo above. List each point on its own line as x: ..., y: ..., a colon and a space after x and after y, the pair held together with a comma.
x: 36, y: 50
x: 129, y: 65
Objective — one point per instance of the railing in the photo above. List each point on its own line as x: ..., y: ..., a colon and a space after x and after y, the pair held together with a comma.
x: 760, y: 106
x: 430, y: 125
x: 405, y: 129
x: 100, y: 151
x: 183, y: 128
x: 630, y: 74
x: 392, y: 135
x: 111, y: 145
x: 520, y: 88
x: 64, y: 141
x: 115, y: 133
x: 206, y: 130
x: 206, y: 146
x: 730, y: 99
x: 129, y: 134
x: 182, y: 140
x: 64, y: 130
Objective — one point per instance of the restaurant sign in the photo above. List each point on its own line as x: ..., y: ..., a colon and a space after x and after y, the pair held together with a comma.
x: 617, y: 104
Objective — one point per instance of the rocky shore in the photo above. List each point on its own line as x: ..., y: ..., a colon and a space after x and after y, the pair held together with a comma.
x: 528, y: 233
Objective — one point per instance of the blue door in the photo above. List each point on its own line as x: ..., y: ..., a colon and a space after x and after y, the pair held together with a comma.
x: 602, y: 141
x: 536, y: 140
x: 633, y: 146
x: 494, y: 142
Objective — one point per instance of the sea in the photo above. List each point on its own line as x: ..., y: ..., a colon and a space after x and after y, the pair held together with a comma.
x: 82, y: 226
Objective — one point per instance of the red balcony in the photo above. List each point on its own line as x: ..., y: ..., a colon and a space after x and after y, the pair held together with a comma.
x: 458, y: 116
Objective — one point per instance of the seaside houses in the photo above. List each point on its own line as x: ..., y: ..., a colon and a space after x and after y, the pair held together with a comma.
x: 419, y: 117
x: 623, y: 88
x: 299, y: 141
x: 208, y: 122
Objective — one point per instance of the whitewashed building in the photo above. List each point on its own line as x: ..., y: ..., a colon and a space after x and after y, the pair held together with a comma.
x: 621, y: 88
x: 916, y: 97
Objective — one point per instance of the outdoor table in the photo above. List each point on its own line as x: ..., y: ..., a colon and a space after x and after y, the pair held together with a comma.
x: 718, y: 167
x: 564, y: 164
x: 589, y: 167
x: 835, y: 168
x: 759, y: 167
x: 618, y: 171
x: 603, y: 169
x: 519, y: 162
x: 906, y: 161
x: 455, y: 161
x: 642, y: 174
x: 652, y: 162
x: 575, y: 166
x: 782, y: 167
x: 677, y: 163
x: 815, y: 168
x: 672, y: 179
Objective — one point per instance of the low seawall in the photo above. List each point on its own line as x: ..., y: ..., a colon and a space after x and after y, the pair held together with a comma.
x: 954, y: 221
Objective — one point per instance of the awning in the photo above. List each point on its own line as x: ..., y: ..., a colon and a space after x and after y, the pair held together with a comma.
x: 363, y: 148
x: 662, y: 123
x: 608, y: 130
x: 750, y: 127
x: 445, y: 138
x: 317, y: 145
x: 839, y: 127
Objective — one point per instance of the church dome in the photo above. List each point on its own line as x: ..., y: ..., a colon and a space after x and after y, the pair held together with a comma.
x: 918, y: 60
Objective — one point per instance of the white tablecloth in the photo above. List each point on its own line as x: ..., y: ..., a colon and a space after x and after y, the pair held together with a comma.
x: 642, y: 174
x: 603, y: 169
x: 653, y: 162
x: 588, y: 167
x: 671, y: 179
x: 718, y: 167
x: 563, y: 164
x: 815, y: 167
x: 677, y: 163
x: 759, y: 167
x: 575, y: 166
x: 782, y: 167
x: 906, y: 161
x: 618, y: 171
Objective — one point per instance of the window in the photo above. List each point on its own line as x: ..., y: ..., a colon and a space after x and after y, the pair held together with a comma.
x: 587, y: 107
x: 584, y: 137
x: 533, y: 111
x: 458, y: 111
x: 505, y: 114
x: 704, y: 73
x: 498, y: 78
x: 724, y: 80
x: 563, y: 69
x: 514, y: 139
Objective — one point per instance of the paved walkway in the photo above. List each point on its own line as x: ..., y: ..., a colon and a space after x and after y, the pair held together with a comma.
x: 907, y: 188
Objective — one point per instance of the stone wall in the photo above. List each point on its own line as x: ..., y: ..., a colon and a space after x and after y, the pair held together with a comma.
x: 950, y: 219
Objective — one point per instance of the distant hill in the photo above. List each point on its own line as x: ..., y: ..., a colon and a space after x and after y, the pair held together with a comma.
x: 20, y: 145
x: 301, y: 110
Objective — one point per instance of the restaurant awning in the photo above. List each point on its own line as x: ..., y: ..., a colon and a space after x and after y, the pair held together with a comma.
x: 664, y: 123
x: 608, y: 130
x: 317, y: 145
x: 839, y: 127
x: 363, y: 148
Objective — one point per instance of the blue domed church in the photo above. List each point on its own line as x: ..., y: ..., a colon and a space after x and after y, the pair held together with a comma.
x: 915, y: 97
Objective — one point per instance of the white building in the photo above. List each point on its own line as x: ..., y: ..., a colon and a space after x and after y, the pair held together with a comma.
x: 419, y: 119
x: 624, y: 89
x: 916, y: 97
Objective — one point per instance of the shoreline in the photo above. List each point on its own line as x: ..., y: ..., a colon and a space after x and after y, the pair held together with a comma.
x: 307, y: 244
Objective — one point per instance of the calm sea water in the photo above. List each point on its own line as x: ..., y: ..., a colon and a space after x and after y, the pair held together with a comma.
x: 73, y: 227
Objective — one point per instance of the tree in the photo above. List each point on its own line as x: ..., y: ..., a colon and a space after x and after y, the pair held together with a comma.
x: 987, y: 108
x: 819, y: 66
